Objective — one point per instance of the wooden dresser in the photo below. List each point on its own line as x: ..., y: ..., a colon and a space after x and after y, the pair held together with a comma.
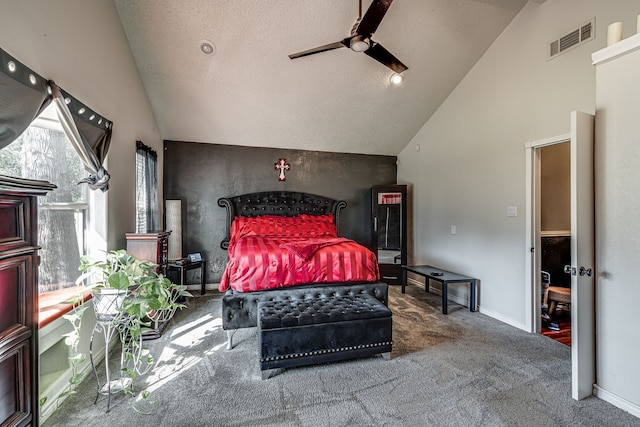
x: 152, y: 246
x: 19, y: 300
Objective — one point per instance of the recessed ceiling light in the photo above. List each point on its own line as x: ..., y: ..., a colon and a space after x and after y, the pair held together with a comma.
x: 207, y: 47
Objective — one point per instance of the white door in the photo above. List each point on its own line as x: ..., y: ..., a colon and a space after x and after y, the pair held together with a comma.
x: 582, y: 248
x: 582, y: 256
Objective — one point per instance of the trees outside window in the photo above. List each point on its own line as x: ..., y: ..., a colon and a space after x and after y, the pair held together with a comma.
x: 44, y: 153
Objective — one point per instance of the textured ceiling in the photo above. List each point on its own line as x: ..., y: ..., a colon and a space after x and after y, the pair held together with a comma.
x: 250, y: 93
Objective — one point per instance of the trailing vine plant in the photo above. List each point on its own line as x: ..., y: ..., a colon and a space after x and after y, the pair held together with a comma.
x: 150, y: 298
x: 72, y: 340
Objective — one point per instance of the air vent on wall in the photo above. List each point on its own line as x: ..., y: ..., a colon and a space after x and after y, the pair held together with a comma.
x: 575, y: 37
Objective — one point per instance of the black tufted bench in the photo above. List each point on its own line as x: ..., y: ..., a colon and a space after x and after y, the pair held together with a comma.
x: 303, y: 332
x: 240, y: 309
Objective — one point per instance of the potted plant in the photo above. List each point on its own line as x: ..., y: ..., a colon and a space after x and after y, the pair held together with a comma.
x: 129, y: 295
x: 124, y: 285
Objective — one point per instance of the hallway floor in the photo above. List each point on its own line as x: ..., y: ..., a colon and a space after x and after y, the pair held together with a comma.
x: 563, y: 319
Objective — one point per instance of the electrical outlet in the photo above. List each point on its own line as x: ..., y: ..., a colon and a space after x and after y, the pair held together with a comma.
x: 453, y: 229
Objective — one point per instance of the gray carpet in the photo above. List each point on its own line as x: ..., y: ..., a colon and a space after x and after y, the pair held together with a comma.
x: 464, y: 369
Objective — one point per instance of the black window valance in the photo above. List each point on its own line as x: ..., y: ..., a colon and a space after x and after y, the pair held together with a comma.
x: 89, y: 133
x: 23, y: 96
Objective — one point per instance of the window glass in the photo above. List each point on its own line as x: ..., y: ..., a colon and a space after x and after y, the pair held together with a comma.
x: 146, y: 189
x: 141, y: 193
x: 43, y: 152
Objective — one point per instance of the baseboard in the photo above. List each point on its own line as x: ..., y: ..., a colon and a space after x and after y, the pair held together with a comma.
x: 62, y: 384
x: 617, y: 401
x: 465, y: 302
x: 53, y: 333
x: 503, y: 319
x: 194, y: 288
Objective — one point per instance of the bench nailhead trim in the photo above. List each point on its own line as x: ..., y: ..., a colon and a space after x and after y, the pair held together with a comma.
x: 332, y: 350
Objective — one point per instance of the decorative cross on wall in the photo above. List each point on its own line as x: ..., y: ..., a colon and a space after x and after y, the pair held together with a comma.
x: 283, y: 166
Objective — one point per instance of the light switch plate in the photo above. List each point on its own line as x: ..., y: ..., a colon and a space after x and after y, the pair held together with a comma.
x: 512, y: 211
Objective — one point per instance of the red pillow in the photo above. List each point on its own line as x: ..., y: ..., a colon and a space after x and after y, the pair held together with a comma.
x: 303, y: 225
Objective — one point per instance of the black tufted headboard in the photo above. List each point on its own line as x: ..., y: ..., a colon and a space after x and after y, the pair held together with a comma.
x: 283, y: 203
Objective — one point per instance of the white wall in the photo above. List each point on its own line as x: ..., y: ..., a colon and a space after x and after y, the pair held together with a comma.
x: 555, y: 188
x: 471, y: 163
x: 55, y: 368
x: 617, y: 155
x: 82, y: 47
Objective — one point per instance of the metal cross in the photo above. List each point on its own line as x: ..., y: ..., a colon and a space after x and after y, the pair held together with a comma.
x: 283, y: 166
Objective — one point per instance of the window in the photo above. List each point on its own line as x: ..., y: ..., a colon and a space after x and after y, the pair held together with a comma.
x: 44, y: 152
x: 146, y: 188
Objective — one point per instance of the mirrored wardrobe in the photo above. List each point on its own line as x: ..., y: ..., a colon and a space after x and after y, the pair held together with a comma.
x: 389, y: 236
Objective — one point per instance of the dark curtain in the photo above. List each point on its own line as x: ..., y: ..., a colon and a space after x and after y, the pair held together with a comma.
x: 89, y: 133
x: 146, y: 188
x: 23, y: 96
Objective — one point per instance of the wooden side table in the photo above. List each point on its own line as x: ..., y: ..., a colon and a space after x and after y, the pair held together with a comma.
x: 182, y: 269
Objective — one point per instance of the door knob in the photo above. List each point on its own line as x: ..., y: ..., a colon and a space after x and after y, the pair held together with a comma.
x: 570, y: 270
x: 585, y: 272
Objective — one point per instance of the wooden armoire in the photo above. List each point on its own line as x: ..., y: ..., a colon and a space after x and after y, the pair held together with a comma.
x: 389, y: 230
x: 19, y: 300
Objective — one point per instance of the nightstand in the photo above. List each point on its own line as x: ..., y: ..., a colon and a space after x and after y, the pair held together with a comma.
x: 181, y: 271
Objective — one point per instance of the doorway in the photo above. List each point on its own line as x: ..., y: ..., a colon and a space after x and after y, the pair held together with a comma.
x: 555, y: 241
x: 583, y: 376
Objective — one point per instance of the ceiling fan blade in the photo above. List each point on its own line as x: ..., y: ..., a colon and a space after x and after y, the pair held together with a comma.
x: 372, y: 17
x: 382, y: 55
x: 319, y: 49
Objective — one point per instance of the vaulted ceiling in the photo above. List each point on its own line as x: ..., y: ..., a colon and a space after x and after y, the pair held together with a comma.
x: 248, y: 92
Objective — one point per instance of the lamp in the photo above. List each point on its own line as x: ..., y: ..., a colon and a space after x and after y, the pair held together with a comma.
x: 173, y: 213
x: 359, y: 44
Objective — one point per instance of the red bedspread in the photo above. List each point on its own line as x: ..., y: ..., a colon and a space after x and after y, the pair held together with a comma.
x: 272, y: 252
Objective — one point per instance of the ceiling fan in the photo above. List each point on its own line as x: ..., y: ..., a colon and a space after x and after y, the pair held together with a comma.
x: 360, y: 38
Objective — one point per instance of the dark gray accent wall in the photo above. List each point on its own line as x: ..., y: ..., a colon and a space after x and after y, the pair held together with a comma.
x: 199, y: 174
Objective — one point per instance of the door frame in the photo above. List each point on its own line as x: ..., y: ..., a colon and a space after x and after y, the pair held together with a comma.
x: 581, y: 138
x: 533, y: 302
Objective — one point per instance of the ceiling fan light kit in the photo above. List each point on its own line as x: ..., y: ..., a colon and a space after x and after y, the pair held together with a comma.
x: 396, y: 78
x: 360, y: 39
x: 359, y: 44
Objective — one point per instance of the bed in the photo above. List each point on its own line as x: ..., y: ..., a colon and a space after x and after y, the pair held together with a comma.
x: 285, y: 245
